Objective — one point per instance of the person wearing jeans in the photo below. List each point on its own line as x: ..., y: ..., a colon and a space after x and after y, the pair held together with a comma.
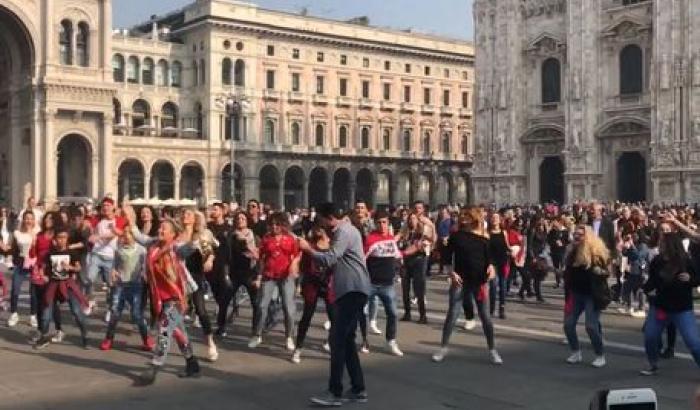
x: 22, y: 240
x: 414, y: 244
x: 472, y: 269
x: 672, y: 277
x: 577, y: 304
x: 351, y: 285
x: 383, y: 256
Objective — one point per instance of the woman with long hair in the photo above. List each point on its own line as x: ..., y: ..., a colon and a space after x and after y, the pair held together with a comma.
x: 472, y: 269
x: 147, y: 221
x: 586, y: 290
x: 22, y: 240
x: 279, y: 264
x: 199, y: 263
x: 414, y: 246
x: 672, y: 278
x: 500, y: 255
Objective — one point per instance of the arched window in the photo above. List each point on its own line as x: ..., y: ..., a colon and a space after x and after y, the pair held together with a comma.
x: 465, y: 144
x: 426, y: 143
x: 202, y: 72
x: 386, y: 139
x: 82, y: 45
x: 446, y: 137
x: 364, y: 143
x: 65, y: 42
x: 117, y: 106
x: 296, y: 133
x: 631, y: 70
x: 132, y: 70
x: 269, y: 131
x: 162, y: 73
x: 406, y: 140
x: 176, y: 74
x: 319, y: 135
x: 140, y: 115
x: 551, y: 81
x: 195, y: 73
x: 147, y: 74
x: 239, y: 73
x: 168, y: 117
x: 118, y: 68
x: 343, y: 136
x: 226, y: 67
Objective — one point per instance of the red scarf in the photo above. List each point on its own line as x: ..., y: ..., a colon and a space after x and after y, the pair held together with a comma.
x: 166, y: 278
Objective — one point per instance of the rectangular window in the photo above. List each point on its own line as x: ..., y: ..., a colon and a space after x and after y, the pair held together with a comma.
x: 387, y: 65
x: 343, y: 87
x: 343, y: 59
x: 296, y: 83
x: 320, y: 56
x: 465, y: 99
x: 365, y: 62
x: 408, y: 69
x: 387, y: 91
x: 427, y: 70
x: 295, y: 53
x: 426, y: 96
x: 270, y: 84
x: 446, y: 73
x: 270, y: 50
x: 465, y: 75
x: 319, y: 85
x: 365, y: 89
x: 407, y: 93
x: 446, y: 98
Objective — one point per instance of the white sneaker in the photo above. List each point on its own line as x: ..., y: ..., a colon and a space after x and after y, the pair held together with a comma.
x: 58, y: 337
x: 394, y: 347
x: 470, y: 324
x: 598, y: 362
x: 639, y: 314
x: 373, y: 328
x: 13, y: 320
x: 90, y: 307
x: 576, y: 357
x: 296, y: 356
x: 414, y: 301
x: 213, y: 354
x: 440, y: 355
x: 254, y: 342
x: 33, y: 322
x: 326, y: 347
x: 495, y: 357
x: 290, y: 344
x: 196, y: 323
x: 365, y: 348
x: 623, y: 310
x: 108, y: 316
x: 327, y: 325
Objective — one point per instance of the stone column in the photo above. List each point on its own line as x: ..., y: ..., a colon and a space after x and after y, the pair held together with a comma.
x: 108, y: 172
x: 147, y: 184
x: 94, y: 177
x: 177, y: 184
x: 305, y: 192
x: 352, y: 189
x: 50, y: 160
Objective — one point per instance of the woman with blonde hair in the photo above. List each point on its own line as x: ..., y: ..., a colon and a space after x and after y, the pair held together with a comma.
x: 472, y: 269
x: 586, y: 290
x: 414, y: 247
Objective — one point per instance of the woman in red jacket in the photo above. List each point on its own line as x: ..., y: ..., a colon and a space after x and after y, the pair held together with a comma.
x: 39, y: 252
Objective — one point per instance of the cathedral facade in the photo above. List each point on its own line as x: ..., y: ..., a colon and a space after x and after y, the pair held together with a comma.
x: 587, y: 99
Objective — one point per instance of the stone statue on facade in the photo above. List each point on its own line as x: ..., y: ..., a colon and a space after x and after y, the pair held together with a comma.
x: 665, y: 73
x: 503, y: 92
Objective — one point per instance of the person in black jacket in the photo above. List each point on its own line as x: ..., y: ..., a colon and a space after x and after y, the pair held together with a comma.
x: 472, y: 268
x: 672, y: 277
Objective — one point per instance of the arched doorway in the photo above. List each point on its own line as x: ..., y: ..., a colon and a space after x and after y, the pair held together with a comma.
x: 16, y: 104
x: 405, y: 191
x: 192, y: 182
x: 226, y: 183
x: 552, y: 180
x: 270, y: 186
x: 364, y: 190
x: 318, y: 186
x: 130, y: 180
x: 162, y: 184
x: 294, y: 188
x: 631, y: 177
x: 74, y: 170
x: 384, y: 181
x: 341, y: 188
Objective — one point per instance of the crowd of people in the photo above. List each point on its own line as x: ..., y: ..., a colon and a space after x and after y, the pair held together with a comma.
x: 165, y: 263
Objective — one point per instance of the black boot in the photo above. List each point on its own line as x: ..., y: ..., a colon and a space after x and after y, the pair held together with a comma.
x: 667, y: 353
x: 191, y: 368
x: 502, y: 312
x: 148, y: 377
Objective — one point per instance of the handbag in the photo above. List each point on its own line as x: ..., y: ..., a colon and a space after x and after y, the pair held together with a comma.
x: 600, y: 290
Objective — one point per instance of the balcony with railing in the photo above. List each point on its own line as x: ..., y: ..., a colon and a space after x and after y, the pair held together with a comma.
x: 386, y: 105
x: 625, y: 102
x: 343, y: 101
x: 427, y: 109
x: 320, y: 99
x: 447, y: 111
x: 295, y: 97
x: 365, y: 103
x: 408, y: 107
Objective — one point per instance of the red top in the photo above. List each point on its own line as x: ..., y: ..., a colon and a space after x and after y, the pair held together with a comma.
x: 41, y: 248
x: 277, y: 254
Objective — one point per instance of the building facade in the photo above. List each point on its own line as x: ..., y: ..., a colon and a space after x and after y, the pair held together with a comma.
x: 313, y: 109
x: 587, y: 99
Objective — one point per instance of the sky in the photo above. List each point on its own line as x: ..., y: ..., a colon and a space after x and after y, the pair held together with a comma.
x: 450, y: 18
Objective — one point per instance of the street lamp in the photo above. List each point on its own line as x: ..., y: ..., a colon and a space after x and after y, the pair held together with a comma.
x: 234, y: 106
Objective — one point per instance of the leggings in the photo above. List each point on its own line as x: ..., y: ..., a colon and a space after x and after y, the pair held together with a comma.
x: 312, y: 292
x: 415, y: 272
x: 225, y: 296
x: 201, y: 309
x: 171, y: 324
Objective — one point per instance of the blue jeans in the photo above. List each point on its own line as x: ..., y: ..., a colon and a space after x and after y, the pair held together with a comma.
x: 387, y: 295
x: 131, y: 294
x: 584, y: 303
x: 20, y: 275
x: 286, y: 289
x: 457, y: 296
x: 97, y: 265
x: 655, y: 324
x: 75, y: 309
